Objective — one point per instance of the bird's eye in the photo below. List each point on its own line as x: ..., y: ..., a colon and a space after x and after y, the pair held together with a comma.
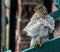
x: 45, y: 27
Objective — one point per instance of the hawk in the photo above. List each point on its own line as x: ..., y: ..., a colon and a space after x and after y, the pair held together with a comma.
x: 40, y: 25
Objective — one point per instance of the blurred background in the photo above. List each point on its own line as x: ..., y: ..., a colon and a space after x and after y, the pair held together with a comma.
x: 15, y: 14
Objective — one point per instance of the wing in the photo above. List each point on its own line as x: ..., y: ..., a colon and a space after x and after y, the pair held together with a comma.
x: 51, y: 23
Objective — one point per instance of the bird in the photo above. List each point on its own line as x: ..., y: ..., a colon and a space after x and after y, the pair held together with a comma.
x: 39, y: 27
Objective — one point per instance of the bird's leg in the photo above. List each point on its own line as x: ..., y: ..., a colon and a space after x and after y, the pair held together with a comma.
x: 35, y: 44
x: 40, y: 43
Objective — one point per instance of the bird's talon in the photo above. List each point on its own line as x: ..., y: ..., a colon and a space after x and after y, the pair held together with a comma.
x: 40, y: 44
x: 35, y: 44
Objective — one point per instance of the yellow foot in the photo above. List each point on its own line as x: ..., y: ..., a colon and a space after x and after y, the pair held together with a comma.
x: 40, y: 44
x: 35, y: 44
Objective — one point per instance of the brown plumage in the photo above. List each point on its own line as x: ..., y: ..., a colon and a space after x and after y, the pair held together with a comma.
x: 41, y: 11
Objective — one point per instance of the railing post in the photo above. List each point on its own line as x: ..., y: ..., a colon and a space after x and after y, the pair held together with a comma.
x: 13, y: 8
x: 0, y: 23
